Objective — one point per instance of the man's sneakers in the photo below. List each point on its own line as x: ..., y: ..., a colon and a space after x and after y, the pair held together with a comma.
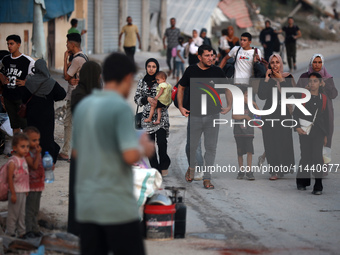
x: 240, y: 175
x: 249, y: 176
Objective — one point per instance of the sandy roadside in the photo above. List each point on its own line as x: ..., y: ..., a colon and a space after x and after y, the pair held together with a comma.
x: 54, y: 201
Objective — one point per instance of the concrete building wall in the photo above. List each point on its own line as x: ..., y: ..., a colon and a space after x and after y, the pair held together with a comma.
x: 61, y: 27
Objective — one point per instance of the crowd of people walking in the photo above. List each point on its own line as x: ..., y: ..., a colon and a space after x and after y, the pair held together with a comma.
x: 105, y: 119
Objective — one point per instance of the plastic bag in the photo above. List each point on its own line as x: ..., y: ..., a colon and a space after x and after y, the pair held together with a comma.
x: 146, y: 182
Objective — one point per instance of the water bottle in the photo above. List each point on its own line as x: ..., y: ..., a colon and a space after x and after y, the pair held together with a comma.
x: 48, y: 165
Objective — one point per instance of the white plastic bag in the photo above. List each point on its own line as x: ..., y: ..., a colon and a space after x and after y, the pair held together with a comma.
x: 146, y: 182
x: 6, y: 127
x: 327, y: 155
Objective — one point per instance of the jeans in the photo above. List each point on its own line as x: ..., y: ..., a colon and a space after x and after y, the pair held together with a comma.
x: 179, y: 67
x: 130, y: 52
x: 197, y: 126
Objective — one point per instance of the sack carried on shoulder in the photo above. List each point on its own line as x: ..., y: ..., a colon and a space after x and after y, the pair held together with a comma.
x: 138, y: 119
x: 22, y: 111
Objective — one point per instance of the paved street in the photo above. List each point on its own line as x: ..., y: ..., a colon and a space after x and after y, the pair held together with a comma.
x: 244, y: 217
x: 261, y: 215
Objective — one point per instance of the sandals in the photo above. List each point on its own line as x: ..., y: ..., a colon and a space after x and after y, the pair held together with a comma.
x: 207, y: 184
x: 189, y: 175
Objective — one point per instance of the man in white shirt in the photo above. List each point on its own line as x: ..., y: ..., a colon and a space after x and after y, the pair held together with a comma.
x: 244, y: 59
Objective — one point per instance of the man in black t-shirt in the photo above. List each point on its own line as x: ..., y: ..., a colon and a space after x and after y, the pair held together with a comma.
x: 198, y: 122
x: 292, y: 33
x: 16, y: 67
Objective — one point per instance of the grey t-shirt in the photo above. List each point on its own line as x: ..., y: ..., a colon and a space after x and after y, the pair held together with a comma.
x: 103, y: 128
x: 172, y: 37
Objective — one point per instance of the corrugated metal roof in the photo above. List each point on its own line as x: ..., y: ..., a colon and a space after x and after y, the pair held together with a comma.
x: 236, y: 9
x: 191, y: 14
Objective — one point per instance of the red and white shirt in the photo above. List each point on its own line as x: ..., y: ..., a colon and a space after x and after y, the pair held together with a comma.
x: 21, y: 175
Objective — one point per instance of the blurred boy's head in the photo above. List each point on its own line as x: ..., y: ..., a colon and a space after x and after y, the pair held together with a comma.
x: 161, y: 77
x: 118, y: 70
x: 33, y: 135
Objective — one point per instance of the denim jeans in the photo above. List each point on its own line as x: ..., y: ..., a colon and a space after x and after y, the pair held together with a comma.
x: 196, y: 127
x: 179, y: 67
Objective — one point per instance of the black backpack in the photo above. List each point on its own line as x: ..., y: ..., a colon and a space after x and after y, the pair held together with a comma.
x: 229, y: 68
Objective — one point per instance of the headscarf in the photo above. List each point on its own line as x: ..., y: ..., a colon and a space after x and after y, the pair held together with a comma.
x: 89, y: 78
x: 150, y: 79
x: 41, y: 77
x: 284, y: 74
x: 281, y: 64
x: 203, y: 30
x: 323, y: 72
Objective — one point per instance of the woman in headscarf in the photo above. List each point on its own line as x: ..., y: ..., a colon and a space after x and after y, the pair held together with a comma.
x: 145, y: 93
x: 89, y: 79
x: 203, y: 35
x: 40, y: 108
x: 232, y: 39
x: 317, y: 64
x: 277, y: 139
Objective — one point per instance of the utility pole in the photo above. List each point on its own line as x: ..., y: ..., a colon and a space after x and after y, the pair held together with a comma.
x: 38, y: 37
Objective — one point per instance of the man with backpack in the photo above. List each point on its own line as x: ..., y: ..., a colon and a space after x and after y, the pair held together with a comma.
x: 71, y: 74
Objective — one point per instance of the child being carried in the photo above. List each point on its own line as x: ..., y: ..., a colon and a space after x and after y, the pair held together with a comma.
x: 163, y: 97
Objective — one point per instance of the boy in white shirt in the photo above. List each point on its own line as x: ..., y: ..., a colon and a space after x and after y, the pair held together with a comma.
x: 244, y: 59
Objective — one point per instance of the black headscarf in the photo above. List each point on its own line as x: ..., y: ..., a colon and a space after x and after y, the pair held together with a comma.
x: 89, y: 75
x: 41, y: 83
x: 150, y: 79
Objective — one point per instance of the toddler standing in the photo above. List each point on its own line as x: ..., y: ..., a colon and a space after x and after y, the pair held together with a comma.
x: 18, y: 183
x: 36, y: 182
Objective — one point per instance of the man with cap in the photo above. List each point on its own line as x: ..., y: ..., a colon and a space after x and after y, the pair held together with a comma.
x: 71, y: 74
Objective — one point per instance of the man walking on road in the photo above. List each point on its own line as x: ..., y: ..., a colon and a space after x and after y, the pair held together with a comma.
x: 268, y: 39
x: 172, y: 34
x: 292, y: 34
x: 130, y: 41
x: 199, y: 123
x: 244, y: 60
x: 105, y: 146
